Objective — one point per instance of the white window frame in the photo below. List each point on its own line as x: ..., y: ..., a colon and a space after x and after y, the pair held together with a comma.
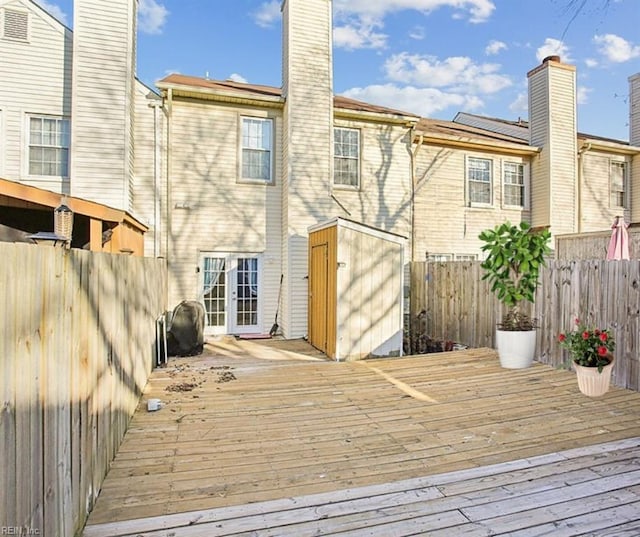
x: 469, y: 159
x: 358, y: 158
x: 242, y: 148
x: 466, y: 257
x: 439, y: 258
x: 525, y: 184
x: 614, y: 192
x: 29, y: 145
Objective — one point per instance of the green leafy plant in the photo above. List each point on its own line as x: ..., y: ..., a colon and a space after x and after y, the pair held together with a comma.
x: 515, y: 254
x: 589, y: 347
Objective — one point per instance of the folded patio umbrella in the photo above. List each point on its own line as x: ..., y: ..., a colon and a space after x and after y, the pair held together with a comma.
x: 619, y: 242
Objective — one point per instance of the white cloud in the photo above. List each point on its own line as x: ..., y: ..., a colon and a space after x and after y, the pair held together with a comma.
x: 359, y: 34
x: 54, y: 10
x: 418, y: 33
x: 458, y: 73
x: 267, y: 14
x: 358, y: 23
x: 590, y: 62
x: 494, y: 47
x: 521, y: 103
x: 554, y: 47
x: 616, y: 48
x: 475, y: 10
x: 235, y: 77
x: 422, y: 101
x: 151, y: 16
x: 582, y: 95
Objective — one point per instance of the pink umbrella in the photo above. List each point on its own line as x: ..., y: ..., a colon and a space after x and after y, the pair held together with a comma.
x: 619, y: 242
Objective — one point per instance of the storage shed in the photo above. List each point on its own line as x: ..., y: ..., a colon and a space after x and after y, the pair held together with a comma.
x: 355, y: 290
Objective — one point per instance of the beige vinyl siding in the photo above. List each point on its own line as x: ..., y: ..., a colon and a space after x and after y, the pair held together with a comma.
x: 212, y: 211
x: 444, y: 221
x: 595, y: 192
x: 384, y: 197
x: 564, y: 151
x: 103, y: 81
x: 539, y: 134
x: 308, y: 139
x: 149, y: 167
x: 35, y: 78
x: 370, y: 288
x: 552, y: 109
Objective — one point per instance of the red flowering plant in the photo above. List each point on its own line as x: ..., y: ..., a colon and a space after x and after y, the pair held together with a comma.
x: 589, y: 347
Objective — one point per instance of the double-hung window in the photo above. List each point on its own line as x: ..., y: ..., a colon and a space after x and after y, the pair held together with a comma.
x: 479, y: 180
x: 618, y: 173
x: 257, y: 149
x: 513, y: 184
x: 346, y: 157
x: 48, y: 146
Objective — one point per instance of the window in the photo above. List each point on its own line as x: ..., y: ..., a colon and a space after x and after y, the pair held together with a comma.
x: 466, y: 257
x: 618, y: 184
x: 479, y: 180
x: 256, y: 149
x: 439, y: 258
x: 514, y: 184
x: 49, y: 146
x: 346, y: 159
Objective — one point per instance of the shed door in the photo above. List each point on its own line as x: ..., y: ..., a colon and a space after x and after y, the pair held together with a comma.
x: 318, y: 296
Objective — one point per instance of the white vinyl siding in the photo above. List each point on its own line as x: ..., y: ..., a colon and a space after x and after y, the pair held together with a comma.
x: 257, y: 149
x: 48, y: 146
x: 346, y: 157
x: 514, y: 184
x: 479, y: 181
x: 618, y: 175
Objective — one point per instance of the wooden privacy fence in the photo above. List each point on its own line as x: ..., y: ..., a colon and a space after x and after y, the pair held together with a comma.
x: 77, y: 347
x: 459, y: 306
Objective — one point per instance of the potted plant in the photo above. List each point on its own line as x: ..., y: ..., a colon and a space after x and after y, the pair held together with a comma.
x: 591, y: 352
x: 515, y: 254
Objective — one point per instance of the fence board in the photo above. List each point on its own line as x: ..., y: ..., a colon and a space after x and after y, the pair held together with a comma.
x: 77, y: 348
x: 601, y: 293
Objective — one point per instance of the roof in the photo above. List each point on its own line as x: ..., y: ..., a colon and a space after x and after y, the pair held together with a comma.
x: 14, y: 194
x: 518, y: 129
x: 256, y: 91
x: 452, y: 128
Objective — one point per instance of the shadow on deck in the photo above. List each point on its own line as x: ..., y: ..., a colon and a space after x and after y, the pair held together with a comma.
x: 250, y: 422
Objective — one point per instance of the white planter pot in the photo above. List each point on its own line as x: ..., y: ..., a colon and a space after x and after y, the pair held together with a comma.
x: 516, y: 349
x: 591, y: 382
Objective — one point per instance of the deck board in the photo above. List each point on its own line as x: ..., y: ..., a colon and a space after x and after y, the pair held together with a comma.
x: 292, y: 431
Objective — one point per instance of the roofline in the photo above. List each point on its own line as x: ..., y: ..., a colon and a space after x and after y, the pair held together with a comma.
x: 599, y: 144
x: 47, y: 198
x: 346, y: 113
x: 183, y: 90
x: 510, y: 148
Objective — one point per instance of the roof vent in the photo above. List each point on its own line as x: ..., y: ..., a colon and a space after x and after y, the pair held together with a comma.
x: 15, y: 25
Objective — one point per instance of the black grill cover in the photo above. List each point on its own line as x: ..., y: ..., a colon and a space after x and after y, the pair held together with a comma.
x: 185, y: 336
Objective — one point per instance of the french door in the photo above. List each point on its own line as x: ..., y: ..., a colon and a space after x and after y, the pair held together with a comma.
x: 231, y: 294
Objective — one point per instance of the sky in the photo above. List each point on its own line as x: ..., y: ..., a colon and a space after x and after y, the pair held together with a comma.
x: 433, y: 58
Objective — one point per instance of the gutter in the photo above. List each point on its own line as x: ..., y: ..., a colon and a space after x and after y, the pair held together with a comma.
x: 168, y: 186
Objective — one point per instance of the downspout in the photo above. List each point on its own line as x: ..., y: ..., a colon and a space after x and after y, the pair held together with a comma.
x: 157, y: 226
x: 581, y: 151
x: 167, y: 252
x: 414, y: 156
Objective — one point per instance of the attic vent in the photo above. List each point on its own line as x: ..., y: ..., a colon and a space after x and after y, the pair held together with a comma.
x: 16, y: 25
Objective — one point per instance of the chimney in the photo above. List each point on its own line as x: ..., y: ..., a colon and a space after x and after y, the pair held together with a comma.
x: 307, y: 143
x: 552, y: 127
x: 102, y: 101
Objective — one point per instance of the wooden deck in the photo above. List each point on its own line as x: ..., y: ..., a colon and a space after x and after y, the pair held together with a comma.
x: 274, y: 441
